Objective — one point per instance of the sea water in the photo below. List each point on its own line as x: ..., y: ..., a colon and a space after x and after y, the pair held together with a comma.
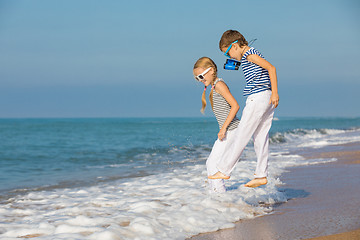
x: 140, y: 178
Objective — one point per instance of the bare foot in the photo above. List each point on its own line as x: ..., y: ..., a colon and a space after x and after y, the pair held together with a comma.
x: 256, y: 182
x: 219, y: 175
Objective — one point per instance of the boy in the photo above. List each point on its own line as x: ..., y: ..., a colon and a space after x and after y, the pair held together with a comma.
x: 262, y: 98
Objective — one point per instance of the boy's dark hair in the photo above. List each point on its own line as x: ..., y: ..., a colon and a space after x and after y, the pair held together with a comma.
x: 231, y: 36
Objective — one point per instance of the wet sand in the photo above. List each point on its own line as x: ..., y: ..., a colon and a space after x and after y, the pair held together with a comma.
x: 324, y: 202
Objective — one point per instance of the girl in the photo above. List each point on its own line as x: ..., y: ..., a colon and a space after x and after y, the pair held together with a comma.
x: 224, y: 107
x: 262, y: 98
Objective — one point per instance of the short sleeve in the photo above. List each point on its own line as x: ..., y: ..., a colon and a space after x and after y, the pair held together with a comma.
x: 252, y: 51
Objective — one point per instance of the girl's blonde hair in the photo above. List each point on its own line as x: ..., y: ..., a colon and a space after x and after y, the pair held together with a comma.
x: 205, y: 63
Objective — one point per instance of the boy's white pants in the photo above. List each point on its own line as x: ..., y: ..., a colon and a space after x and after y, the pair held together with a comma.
x: 218, y: 150
x: 255, y: 122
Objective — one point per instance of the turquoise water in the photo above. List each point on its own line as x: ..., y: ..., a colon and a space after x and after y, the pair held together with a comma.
x: 57, y: 153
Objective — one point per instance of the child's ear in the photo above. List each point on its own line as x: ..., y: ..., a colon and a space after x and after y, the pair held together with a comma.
x: 211, y: 71
x: 236, y: 46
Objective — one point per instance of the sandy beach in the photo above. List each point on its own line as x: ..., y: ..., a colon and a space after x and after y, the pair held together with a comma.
x: 323, y: 205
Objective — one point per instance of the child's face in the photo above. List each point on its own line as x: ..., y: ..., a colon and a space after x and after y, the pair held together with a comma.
x: 233, y: 52
x: 207, y: 77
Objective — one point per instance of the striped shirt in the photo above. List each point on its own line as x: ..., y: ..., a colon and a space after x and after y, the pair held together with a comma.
x: 257, y: 78
x: 222, y: 108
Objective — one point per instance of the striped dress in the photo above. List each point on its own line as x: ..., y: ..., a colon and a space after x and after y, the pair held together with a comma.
x: 257, y: 78
x: 221, y: 109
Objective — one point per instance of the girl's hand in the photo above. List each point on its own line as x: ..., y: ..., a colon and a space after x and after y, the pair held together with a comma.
x: 274, y: 99
x: 222, y: 134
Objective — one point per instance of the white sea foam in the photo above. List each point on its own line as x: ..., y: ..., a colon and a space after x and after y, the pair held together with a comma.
x: 171, y: 205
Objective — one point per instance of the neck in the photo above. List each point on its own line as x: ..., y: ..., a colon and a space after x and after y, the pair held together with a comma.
x: 243, y: 49
x: 212, y: 83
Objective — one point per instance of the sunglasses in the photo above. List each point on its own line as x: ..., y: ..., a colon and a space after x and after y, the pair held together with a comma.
x: 227, y: 51
x: 200, y: 77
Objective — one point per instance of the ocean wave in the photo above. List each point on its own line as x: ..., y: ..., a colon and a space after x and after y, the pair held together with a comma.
x: 302, y: 136
x: 170, y: 156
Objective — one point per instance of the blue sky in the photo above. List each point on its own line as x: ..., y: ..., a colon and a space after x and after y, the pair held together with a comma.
x: 134, y: 58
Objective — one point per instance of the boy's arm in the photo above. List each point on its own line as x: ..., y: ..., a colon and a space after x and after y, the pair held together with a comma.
x: 225, y: 92
x: 274, y: 99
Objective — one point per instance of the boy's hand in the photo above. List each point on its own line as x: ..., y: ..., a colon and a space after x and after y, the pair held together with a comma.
x: 222, y: 134
x: 274, y: 99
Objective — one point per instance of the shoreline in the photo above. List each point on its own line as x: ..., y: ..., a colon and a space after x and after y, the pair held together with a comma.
x: 323, y: 203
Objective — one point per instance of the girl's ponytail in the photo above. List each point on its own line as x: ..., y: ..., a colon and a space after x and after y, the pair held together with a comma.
x: 206, y: 62
x: 203, y: 101
x: 211, y: 97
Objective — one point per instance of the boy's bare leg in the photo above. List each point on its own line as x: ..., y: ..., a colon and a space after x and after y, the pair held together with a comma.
x: 256, y: 182
x: 219, y: 175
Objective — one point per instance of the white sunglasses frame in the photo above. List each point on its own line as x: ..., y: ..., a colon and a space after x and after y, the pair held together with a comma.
x: 200, y: 79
